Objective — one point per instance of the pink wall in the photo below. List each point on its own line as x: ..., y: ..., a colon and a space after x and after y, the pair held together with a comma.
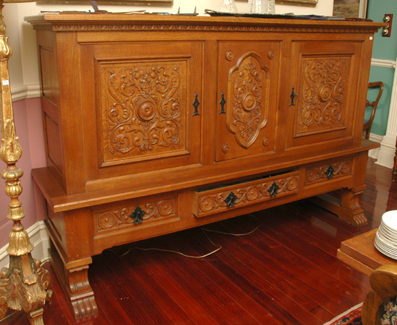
x: 29, y: 128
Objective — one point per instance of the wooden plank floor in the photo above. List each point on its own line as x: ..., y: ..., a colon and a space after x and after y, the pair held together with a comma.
x: 285, y: 273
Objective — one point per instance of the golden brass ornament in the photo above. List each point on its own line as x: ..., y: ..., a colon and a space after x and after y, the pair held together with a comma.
x: 24, y: 285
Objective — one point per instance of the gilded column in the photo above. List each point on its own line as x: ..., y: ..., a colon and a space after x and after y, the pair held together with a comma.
x: 23, y: 286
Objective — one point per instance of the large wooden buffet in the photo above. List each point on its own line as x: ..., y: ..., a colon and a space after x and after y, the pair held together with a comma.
x: 155, y: 124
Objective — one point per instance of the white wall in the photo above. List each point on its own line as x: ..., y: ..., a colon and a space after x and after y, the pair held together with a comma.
x: 23, y: 65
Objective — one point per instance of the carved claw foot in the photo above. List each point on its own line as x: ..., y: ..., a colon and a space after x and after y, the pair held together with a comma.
x: 348, y: 208
x: 76, y: 286
x: 84, y: 307
x: 359, y: 220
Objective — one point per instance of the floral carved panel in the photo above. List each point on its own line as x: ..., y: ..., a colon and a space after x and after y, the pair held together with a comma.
x: 246, y: 194
x: 144, y: 109
x: 248, y: 96
x: 321, y: 172
x: 117, y: 218
x: 322, y: 97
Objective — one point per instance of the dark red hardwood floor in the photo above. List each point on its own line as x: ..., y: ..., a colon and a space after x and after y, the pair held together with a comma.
x: 285, y: 273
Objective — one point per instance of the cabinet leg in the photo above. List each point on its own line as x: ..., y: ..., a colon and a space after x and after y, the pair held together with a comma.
x: 347, y: 208
x: 73, y: 278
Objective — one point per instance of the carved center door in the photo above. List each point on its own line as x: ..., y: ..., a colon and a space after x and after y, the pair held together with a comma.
x: 323, y: 86
x: 247, y: 98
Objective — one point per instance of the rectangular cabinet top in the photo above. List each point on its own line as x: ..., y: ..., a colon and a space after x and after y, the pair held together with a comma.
x: 128, y: 22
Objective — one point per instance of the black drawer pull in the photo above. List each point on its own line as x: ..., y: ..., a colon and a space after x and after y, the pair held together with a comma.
x: 293, y: 95
x: 231, y: 199
x: 196, y: 104
x: 273, y: 189
x: 330, y: 172
x: 222, y: 102
x: 137, y: 215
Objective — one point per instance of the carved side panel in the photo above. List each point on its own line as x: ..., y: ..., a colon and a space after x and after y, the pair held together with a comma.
x: 48, y: 73
x: 322, y: 102
x: 120, y: 217
x: 248, y: 96
x: 325, y: 171
x: 144, y: 110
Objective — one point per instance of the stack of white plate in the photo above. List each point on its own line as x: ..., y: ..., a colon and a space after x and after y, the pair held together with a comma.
x: 386, y: 236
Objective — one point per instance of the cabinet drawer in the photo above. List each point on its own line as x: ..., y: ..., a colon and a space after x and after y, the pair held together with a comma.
x: 207, y: 202
x: 135, y: 215
x: 326, y: 170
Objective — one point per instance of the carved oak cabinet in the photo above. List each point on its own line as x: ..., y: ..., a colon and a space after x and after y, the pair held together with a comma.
x: 155, y: 124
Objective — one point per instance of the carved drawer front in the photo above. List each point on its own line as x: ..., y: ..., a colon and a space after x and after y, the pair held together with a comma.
x: 246, y: 98
x: 135, y: 215
x: 217, y: 200
x: 322, y: 92
x: 324, y: 171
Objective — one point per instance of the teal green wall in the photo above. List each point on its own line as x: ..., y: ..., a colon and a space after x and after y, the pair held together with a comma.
x: 385, y: 48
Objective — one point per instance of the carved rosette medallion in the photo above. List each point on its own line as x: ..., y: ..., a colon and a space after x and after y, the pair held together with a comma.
x: 144, y: 111
x: 249, y: 95
x: 225, y: 148
x: 109, y: 220
x: 319, y: 173
x: 229, y: 55
x: 322, y: 103
x: 253, y: 193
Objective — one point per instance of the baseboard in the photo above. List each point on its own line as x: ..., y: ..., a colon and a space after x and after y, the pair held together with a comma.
x: 374, y: 153
x: 38, y: 237
x: 383, y: 63
x: 387, y: 152
x: 21, y: 93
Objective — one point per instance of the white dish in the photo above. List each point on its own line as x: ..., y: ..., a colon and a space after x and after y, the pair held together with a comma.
x: 389, y: 218
x: 386, y: 236
x: 385, y: 248
x: 390, y: 255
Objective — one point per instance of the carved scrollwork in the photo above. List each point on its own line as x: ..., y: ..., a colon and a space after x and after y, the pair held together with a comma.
x: 248, y: 91
x: 322, y: 102
x: 249, y: 194
x: 321, y: 172
x: 144, y: 110
x: 154, y: 210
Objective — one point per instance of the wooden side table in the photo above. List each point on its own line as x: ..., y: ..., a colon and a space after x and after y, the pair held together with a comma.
x: 360, y: 253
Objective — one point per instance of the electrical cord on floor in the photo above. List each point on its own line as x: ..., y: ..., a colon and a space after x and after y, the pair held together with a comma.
x: 205, y: 230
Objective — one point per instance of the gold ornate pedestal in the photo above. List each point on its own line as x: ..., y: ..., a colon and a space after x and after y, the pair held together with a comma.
x: 23, y: 286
